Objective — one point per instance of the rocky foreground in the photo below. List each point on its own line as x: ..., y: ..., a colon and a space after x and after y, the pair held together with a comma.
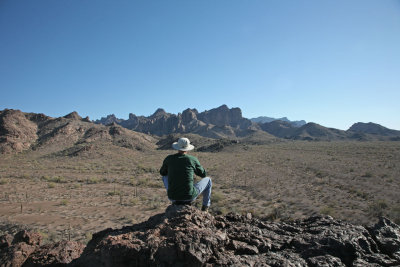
x: 185, y: 236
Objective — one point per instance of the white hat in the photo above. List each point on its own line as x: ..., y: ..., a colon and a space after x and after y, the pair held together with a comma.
x: 183, y: 144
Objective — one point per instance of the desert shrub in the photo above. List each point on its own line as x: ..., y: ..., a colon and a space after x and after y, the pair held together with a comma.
x: 219, y: 210
x: 154, y: 203
x: 88, y: 236
x: 64, y: 202
x: 42, y: 234
x: 358, y: 193
x: 75, y: 186
x: 367, y: 175
x: 51, y: 185
x: 114, y: 193
x: 143, y: 169
x: 133, y: 201
x: 216, y: 197
x: 54, y: 179
x: 320, y: 174
x: 395, y: 214
x: 93, y: 180
x: 254, y: 212
x: 328, y: 210
x: 276, y: 214
x: 3, y: 181
x: 377, y: 208
x: 143, y: 181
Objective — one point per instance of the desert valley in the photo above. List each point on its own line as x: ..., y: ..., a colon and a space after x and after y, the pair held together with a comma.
x: 69, y: 177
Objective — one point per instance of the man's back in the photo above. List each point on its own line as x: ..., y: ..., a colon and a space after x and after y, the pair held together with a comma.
x: 180, y: 169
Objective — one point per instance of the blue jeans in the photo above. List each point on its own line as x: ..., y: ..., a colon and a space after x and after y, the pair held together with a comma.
x: 204, y: 186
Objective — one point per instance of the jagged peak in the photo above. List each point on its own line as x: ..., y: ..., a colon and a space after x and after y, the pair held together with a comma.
x: 73, y: 115
x: 159, y: 112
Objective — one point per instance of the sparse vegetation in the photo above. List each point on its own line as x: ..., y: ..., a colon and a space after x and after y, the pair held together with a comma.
x: 277, y: 181
x: 54, y: 179
x: 328, y: 210
x: 378, y: 208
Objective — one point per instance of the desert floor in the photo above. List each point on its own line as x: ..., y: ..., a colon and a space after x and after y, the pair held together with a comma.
x: 73, y: 197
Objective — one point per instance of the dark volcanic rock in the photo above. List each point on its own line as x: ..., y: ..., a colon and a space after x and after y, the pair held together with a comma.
x: 387, y: 236
x: 24, y: 250
x: 58, y: 254
x: 16, y: 252
x: 185, y: 236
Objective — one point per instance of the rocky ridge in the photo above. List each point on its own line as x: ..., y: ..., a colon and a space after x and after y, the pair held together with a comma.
x: 264, y: 119
x: 185, y: 236
x: 220, y: 122
x: 224, y: 122
x: 69, y: 135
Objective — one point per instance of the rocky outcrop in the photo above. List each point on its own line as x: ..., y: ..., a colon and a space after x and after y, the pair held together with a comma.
x: 220, y: 122
x: 223, y: 116
x: 69, y: 135
x: 24, y: 249
x: 186, y: 236
x: 17, y: 133
x: 15, y: 250
x: 108, y: 120
x: 73, y: 115
x: 56, y: 254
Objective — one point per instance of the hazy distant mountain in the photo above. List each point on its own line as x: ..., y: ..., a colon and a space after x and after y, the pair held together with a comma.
x: 309, y: 131
x: 264, y: 119
x: 279, y: 128
x: 372, y: 128
x: 314, y: 131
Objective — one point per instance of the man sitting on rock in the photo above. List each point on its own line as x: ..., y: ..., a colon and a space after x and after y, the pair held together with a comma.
x: 178, y: 171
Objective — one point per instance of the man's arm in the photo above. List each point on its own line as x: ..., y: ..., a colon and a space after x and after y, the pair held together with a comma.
x: 164, y: 168
x: 199, y: 170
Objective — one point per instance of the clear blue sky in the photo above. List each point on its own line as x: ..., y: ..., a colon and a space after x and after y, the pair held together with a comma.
x: 332, y: 62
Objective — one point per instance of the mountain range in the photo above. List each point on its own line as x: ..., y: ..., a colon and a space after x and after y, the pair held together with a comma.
x: 211, y: 130
x: 264, y: 119
x: 223, y: 122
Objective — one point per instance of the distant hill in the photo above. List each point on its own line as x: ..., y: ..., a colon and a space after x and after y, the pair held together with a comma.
x: 69, y: 135
x: 309, y: 131
x: 316, y: 132
x: 279, y: 128
x: 264, y: 119
x: 372, y: 128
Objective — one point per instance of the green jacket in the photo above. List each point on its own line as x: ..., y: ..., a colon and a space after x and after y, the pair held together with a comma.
x: 180, y: 169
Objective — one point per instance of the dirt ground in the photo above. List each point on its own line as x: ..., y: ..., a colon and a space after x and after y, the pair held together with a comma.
x: 74, y: 197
